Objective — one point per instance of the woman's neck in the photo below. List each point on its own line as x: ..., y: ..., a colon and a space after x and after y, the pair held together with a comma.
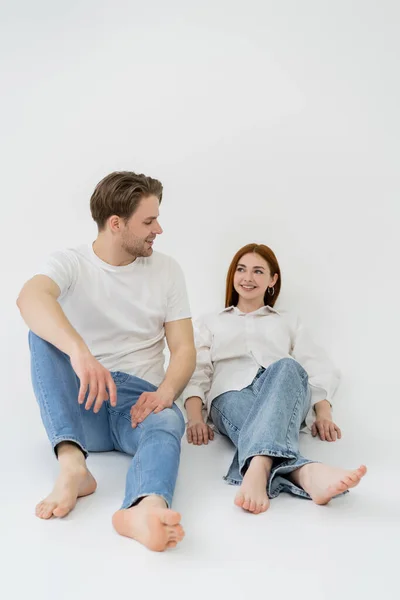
x: 248, y: 306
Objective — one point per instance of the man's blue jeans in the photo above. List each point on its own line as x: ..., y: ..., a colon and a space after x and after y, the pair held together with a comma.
x: 265, y: 419
x: 154, y: 444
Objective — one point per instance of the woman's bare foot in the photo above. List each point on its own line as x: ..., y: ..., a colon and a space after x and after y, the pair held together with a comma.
x: 150, y: 523
x: 252, y: 495
x: 73, y: 482
x: 323, y: 482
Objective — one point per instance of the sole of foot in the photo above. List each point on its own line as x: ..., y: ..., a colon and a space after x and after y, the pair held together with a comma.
x: 323, y: 482
x: 154, y: 526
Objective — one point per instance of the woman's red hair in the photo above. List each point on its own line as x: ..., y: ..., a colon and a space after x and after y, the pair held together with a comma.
x: 231, y: 296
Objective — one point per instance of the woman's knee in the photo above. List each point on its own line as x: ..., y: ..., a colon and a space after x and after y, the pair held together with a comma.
x: 292, y: 366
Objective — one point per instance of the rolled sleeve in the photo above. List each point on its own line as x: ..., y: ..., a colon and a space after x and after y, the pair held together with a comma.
x: 200, y: 382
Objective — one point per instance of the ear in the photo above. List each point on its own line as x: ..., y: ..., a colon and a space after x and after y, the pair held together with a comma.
x: 114, y: 223
x: 274, y: 280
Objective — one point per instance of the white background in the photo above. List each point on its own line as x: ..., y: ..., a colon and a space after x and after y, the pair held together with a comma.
x: 274, y: 122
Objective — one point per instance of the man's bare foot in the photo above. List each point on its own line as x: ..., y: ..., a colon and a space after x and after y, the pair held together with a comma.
x: 323, y: 482
x: 73, y: 482
x: 150, y: 523
x: 252, y: 495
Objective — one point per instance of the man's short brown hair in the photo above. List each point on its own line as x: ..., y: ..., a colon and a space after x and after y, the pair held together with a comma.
x: 120, y: 194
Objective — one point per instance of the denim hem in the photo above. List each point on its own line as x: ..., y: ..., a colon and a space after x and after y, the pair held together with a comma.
x: 269, y: 454
x: 292, y: 489
x: 136, y: 498
x: 231, y: 481
x: 66, y: 438
x: 285, y: 469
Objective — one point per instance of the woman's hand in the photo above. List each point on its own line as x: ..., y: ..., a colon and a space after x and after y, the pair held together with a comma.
x: 198, y: 432
x: 327, y: 430
x: 323, y: 426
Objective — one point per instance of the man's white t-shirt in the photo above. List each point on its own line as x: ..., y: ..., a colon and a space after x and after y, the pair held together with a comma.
x: 120, y: 311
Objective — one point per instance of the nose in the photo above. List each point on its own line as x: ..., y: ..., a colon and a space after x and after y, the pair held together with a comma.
x: 158, y: 229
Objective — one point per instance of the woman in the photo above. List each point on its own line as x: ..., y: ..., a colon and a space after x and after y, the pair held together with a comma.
x: 260, y: 378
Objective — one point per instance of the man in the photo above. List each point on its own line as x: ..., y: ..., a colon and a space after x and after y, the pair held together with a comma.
x: 98, y: 316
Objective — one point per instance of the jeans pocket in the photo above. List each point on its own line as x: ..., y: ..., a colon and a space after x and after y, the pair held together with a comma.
x: 119, y: 377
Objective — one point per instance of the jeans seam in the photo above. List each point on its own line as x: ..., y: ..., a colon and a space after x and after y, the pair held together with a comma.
x: 294, y: 415
x: 232, y: 426
x: 44, y: 395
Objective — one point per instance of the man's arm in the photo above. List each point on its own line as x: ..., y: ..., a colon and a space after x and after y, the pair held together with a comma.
x: 179, y: 335
x: 43, y: 314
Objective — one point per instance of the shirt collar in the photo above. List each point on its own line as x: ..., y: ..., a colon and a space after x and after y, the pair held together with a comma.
x: 264, y: 310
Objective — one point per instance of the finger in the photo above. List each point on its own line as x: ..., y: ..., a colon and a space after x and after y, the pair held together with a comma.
x: 83, y: 389
x: 328, y: 432
x: 92, y: 393
x: 145, y: 413
x: 339, y: 432
x: 112, y: 390
x: 101, y: 396
x: 333, y: 432
x: 139, y: 403
x: 194, y: 436
x: 314, y: 430
x: 189, y: 435
x: 199, y: 435
x: 205, y: 435
x: 321, y: 431
x: 210, y: 433
x: 136, y: 408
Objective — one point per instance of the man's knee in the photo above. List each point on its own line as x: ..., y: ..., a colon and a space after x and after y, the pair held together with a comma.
x: 169, y: 420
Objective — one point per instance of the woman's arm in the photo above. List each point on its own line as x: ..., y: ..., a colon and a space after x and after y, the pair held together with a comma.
x: 323, y: 424
x: 194, y: 395
x: 198, y: 432
x: 323, y: 378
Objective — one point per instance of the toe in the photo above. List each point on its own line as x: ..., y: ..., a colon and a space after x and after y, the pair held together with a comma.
x: 172, y: 544
x: 61, y: 510
x: 252, y: 506
x: 170, y: 517
x: 239, y: 500
x: 246, y: 504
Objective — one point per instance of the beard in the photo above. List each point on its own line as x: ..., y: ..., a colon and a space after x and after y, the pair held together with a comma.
x: 137, y: 247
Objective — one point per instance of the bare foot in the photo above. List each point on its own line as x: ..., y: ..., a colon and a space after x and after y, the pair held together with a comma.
x: 252, y: 495
x: 150, y: 523
x: 324, y: 482
x: 72, y: 483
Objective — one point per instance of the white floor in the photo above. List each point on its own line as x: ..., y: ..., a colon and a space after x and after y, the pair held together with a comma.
x: 349, y: 549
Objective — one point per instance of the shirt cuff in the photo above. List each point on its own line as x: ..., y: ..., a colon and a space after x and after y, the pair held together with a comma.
x: 318, y: 394
x: 193, y: 390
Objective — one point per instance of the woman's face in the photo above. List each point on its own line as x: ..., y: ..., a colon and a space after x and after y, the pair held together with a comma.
x: 252, y: 277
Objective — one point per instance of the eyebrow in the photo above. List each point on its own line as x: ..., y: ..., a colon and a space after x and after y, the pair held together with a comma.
x: 242, y: 265
x: 150, y: 218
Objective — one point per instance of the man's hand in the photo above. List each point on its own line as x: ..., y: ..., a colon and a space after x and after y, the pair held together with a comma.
x: 149, y: 402
x: 97, y: 378
x: 198, y: 432
x: 327, y: 430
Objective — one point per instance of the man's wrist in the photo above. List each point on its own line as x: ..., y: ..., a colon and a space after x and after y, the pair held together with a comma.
x: 167, y: 393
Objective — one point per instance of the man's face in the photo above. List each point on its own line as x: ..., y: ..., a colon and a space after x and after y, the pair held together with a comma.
x: 139, y: 233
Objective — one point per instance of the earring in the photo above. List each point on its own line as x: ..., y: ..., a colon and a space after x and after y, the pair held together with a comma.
x: 271, y: 293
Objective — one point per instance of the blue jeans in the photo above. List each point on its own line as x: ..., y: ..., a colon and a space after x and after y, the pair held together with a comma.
x: 154, y: 444
x: 265, y: 419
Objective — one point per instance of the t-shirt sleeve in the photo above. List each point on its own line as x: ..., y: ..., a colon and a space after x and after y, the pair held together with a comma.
x: 177, y: 302
x: 62, y: 268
